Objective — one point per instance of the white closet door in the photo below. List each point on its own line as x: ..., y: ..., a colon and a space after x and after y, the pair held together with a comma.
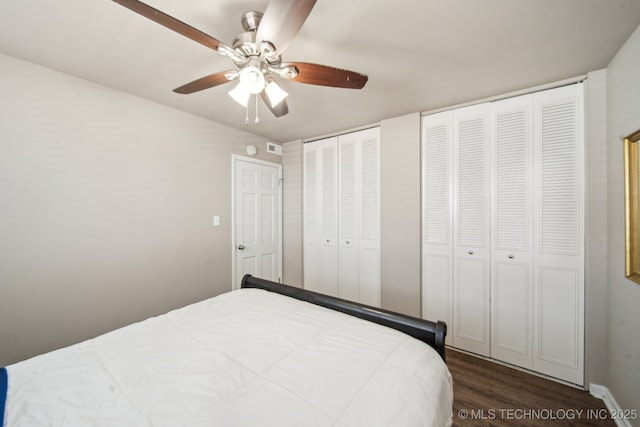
x: 471, y: 213
x: 312, y: 218
x: 437, y: 247
x: 320, y: 216
x: 359, y: 216
x: 512, y: 231
x: 329, y: 194
x: 342, y: 216
x: 348, y: 217
x: 369, y: 216
x: 559, y: 237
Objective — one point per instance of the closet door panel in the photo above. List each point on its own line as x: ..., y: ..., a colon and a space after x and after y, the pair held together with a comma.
x: 511, y: 313
x: 471, y: 311
x: 347, y: 187
x: 558, y: 316
x: 329, y: 265
x: 369, y: 276
x: 437, y: 215
x: 559, y: 246
x: 471, y: 177
x: 312, y: 256
x: 471, y: 216
x: 369, y: 184
x: 348, y: 217
x: 329, y: 194
x: 369, y: 216
x: 512, y: 231
x: 437, y: 290
x: 348, y: 265
x: 342, y: 216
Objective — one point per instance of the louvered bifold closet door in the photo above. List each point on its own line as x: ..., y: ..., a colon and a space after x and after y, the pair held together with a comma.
x: 359, y: 216
x: 369, y: 216
x: 437, y: 215
x: 558, y: 309
x: 348, y: 217
x: 512, y: 231
x: 471, y: 215
x: 321, y: 216
x: 329, y: 234
x: 312, y: 249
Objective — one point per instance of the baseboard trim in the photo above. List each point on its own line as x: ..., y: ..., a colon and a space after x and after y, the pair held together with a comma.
x: 601, y: 392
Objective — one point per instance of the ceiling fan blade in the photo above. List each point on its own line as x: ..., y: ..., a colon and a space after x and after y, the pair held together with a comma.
x: 281, y: 22
x: 204, y: 83
x: 279, y: 110
x: 323, y: 75
x: 174, y: 24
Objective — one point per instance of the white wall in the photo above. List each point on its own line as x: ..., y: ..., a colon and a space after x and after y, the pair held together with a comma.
x: 400, y: 220
x: 596, y: 225
x: 623, y: 111
x: 106, y: 208
x: 292, y: 213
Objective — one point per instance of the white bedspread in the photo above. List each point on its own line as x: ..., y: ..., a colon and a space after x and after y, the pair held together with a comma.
x: 245, y: 358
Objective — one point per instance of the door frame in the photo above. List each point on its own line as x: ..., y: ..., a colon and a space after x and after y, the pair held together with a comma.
x: 234, y: 159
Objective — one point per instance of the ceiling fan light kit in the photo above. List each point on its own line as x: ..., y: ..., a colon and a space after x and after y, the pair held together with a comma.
x: 257, y: 54
x: 275, y: 93
x: 252, y: 79
x: 240, y: 94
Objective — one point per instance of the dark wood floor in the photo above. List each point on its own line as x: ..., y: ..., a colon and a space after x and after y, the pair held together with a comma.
x: 489, y: 394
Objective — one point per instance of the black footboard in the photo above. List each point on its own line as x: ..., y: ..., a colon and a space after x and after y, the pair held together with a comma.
x: 432, y: 333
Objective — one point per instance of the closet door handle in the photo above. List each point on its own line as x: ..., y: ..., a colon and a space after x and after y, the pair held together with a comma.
x: 470, y: 252
x: 510, y: 257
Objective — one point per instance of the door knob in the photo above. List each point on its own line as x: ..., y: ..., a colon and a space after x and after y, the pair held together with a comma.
x: 470, y: 252
x: 241, y: 247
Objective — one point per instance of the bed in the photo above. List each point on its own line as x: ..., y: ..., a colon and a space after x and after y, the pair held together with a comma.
x: 264, y: 355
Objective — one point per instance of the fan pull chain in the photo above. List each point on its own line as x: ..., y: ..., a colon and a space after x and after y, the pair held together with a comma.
x: 257, y: 119
x: 246, y: 117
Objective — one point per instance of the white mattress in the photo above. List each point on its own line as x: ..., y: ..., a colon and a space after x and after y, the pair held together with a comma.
x: 245, y: 358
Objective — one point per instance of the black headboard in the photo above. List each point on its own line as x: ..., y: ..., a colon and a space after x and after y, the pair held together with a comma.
x: 432, y: 333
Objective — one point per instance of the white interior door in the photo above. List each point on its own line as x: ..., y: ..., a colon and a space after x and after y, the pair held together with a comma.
x: 558, y: 281
x: 437, y: 247
x: 321, y: 216
x: 256, y: 237
x: 471, y: 250
x: 348, y: 217
x: 329, y: 226
x: 512, y: 247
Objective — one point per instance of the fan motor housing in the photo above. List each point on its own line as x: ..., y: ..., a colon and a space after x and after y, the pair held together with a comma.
x: 251, y: 20
x: 245, y: 44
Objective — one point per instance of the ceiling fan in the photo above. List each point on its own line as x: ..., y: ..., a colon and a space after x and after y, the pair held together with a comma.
x: 257, y: 54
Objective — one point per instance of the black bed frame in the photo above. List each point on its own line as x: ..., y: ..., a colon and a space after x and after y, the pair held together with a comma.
x: 432, y: 333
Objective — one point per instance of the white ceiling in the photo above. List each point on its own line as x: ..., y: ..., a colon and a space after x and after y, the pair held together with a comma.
x: 419, y: 54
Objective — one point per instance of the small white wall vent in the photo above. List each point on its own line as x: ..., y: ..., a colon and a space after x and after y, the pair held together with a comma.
x: 274, y: 148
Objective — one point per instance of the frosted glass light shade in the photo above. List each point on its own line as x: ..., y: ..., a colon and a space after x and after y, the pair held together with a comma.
x: 240, y: 94
x: 275, y: 93
x: 252, y: 79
